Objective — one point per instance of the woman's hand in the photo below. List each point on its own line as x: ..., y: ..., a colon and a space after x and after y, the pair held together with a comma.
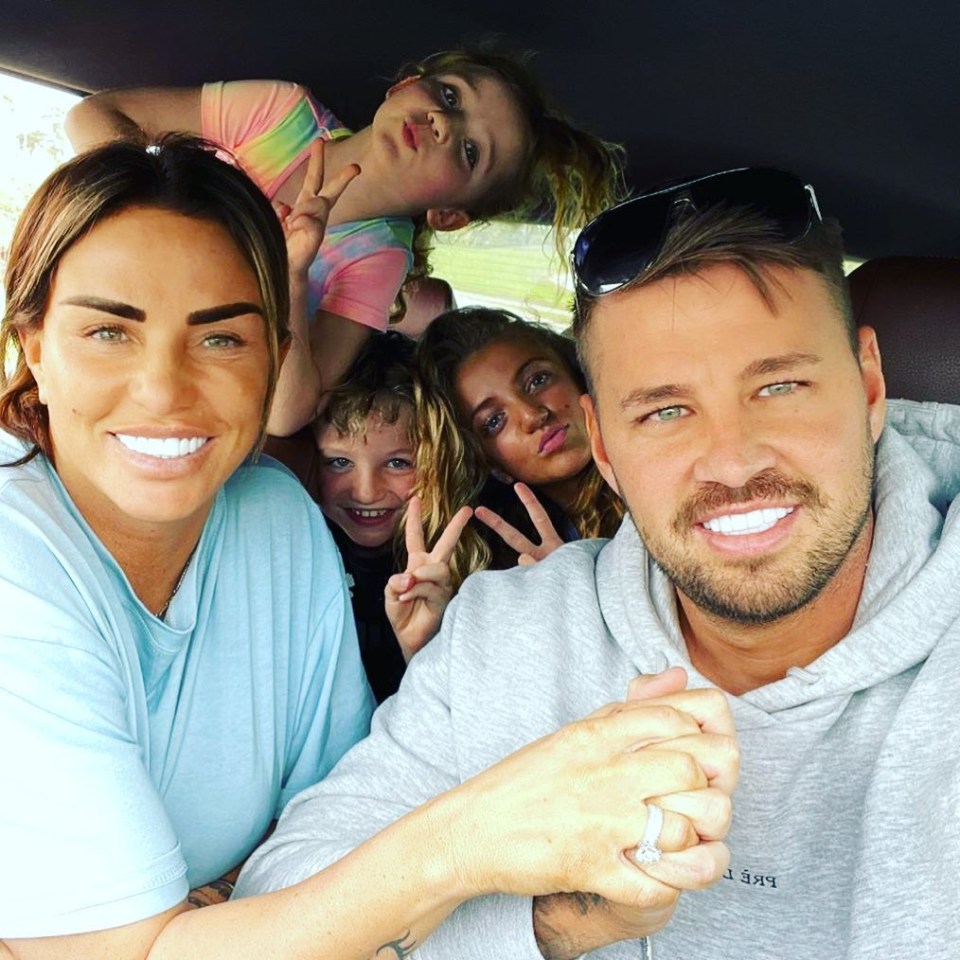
x: 564, y: 813
x: 415, y: 599
x: 305, y: 223
x: 529, y: 551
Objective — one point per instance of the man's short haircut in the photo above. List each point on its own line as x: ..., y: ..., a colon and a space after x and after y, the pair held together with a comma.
x: 379, y: 383
x: 742, y: 238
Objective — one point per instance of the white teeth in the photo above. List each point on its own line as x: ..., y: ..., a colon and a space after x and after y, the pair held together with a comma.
x: 369, y: 513
x: 163, y: 448
x: 740, y: 524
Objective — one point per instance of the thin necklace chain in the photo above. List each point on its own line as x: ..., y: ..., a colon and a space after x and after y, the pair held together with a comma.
x: 163, y: 610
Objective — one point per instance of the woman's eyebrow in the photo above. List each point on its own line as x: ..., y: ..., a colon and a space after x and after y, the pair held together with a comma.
x: 223, y: 312
x: 127, y: 311
x: 114, y: 307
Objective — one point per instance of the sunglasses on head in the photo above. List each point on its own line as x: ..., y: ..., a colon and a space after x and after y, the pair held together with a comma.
x: 619, y: 244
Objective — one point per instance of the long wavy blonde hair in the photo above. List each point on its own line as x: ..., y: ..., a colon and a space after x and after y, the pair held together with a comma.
x: 458, y: 468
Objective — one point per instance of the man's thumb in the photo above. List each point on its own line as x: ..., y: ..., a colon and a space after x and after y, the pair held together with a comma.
x: 650, y: 685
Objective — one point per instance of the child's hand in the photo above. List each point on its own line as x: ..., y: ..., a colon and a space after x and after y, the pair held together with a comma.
x: 529, y: 551
x: 416, y: 598
x: 305, y: 223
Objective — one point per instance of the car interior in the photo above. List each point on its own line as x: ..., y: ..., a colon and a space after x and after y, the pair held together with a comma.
x: 854, y: 97
x: 859, y: 99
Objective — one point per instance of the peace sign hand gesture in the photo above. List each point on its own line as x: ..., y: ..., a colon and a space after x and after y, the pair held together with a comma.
x: 415, y: 599
x: 305, y: 223
x: 529, y: 551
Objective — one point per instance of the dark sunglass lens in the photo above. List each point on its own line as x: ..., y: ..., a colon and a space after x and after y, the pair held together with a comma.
x: 620, y: 244
x: 775, y: 194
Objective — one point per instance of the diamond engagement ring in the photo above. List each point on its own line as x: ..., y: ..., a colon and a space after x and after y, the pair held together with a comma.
x: 647, y: 850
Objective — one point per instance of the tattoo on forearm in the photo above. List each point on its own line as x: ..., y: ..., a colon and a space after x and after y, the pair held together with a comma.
x: 217, y: 891
x: 402, y: 947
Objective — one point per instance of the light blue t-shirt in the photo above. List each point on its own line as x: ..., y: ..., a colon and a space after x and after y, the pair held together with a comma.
x: 140, y: 758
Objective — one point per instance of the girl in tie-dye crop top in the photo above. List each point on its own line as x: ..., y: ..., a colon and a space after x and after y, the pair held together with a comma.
x: 463, y: 135
x: 266, y: 127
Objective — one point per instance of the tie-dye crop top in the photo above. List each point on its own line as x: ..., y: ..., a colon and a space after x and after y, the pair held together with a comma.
x: 266, y: 128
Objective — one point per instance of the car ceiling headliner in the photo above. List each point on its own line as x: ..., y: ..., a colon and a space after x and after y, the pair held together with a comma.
x: 859, y: 97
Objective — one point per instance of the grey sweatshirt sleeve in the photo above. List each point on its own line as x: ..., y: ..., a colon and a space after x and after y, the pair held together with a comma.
x: 409, y: 757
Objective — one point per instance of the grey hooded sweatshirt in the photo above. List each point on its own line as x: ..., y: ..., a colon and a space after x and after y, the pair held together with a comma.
x: 846, y: 833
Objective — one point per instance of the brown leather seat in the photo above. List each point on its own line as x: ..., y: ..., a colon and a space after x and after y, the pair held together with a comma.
x: 914, y: 305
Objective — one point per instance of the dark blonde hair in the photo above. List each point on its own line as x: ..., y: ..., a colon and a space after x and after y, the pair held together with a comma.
x: 445, y: 346
x: 567, y: 176
x: 180, y: 174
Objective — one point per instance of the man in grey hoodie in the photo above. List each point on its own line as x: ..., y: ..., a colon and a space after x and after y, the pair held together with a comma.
x: 792, y: 539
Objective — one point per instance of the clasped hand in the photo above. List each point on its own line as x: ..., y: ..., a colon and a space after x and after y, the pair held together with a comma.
x: 564, y: 814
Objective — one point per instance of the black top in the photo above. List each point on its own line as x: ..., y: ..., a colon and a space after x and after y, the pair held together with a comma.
x: 502, y: 499
x: 367, y: 573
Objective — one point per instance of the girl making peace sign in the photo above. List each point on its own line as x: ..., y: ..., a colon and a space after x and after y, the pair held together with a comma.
x: 460, y: 136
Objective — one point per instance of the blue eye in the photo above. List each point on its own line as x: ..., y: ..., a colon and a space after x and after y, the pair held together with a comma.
x: 492, y: 424
x: 221, y: 340
x: 449, y: 96
x: 471, y: 153
x: 108, y: 334
x: 667, y: 414
x: 778, y: 389
x: 538, y: 380
x: 339, y: 463
x: 399, y: 463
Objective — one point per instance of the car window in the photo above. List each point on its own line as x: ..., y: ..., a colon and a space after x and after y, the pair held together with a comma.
x: 32, y: 143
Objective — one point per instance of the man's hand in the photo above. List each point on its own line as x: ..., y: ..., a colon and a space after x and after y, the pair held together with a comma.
x: 415, y: 599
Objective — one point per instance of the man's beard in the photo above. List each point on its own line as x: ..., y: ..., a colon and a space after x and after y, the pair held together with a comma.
x: 752, y: 591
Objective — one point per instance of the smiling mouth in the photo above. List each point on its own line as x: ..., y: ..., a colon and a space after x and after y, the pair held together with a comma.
x: 369, y: 517
x: 744, y: 524
x: 162, y: 448
x: 553, y: 439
